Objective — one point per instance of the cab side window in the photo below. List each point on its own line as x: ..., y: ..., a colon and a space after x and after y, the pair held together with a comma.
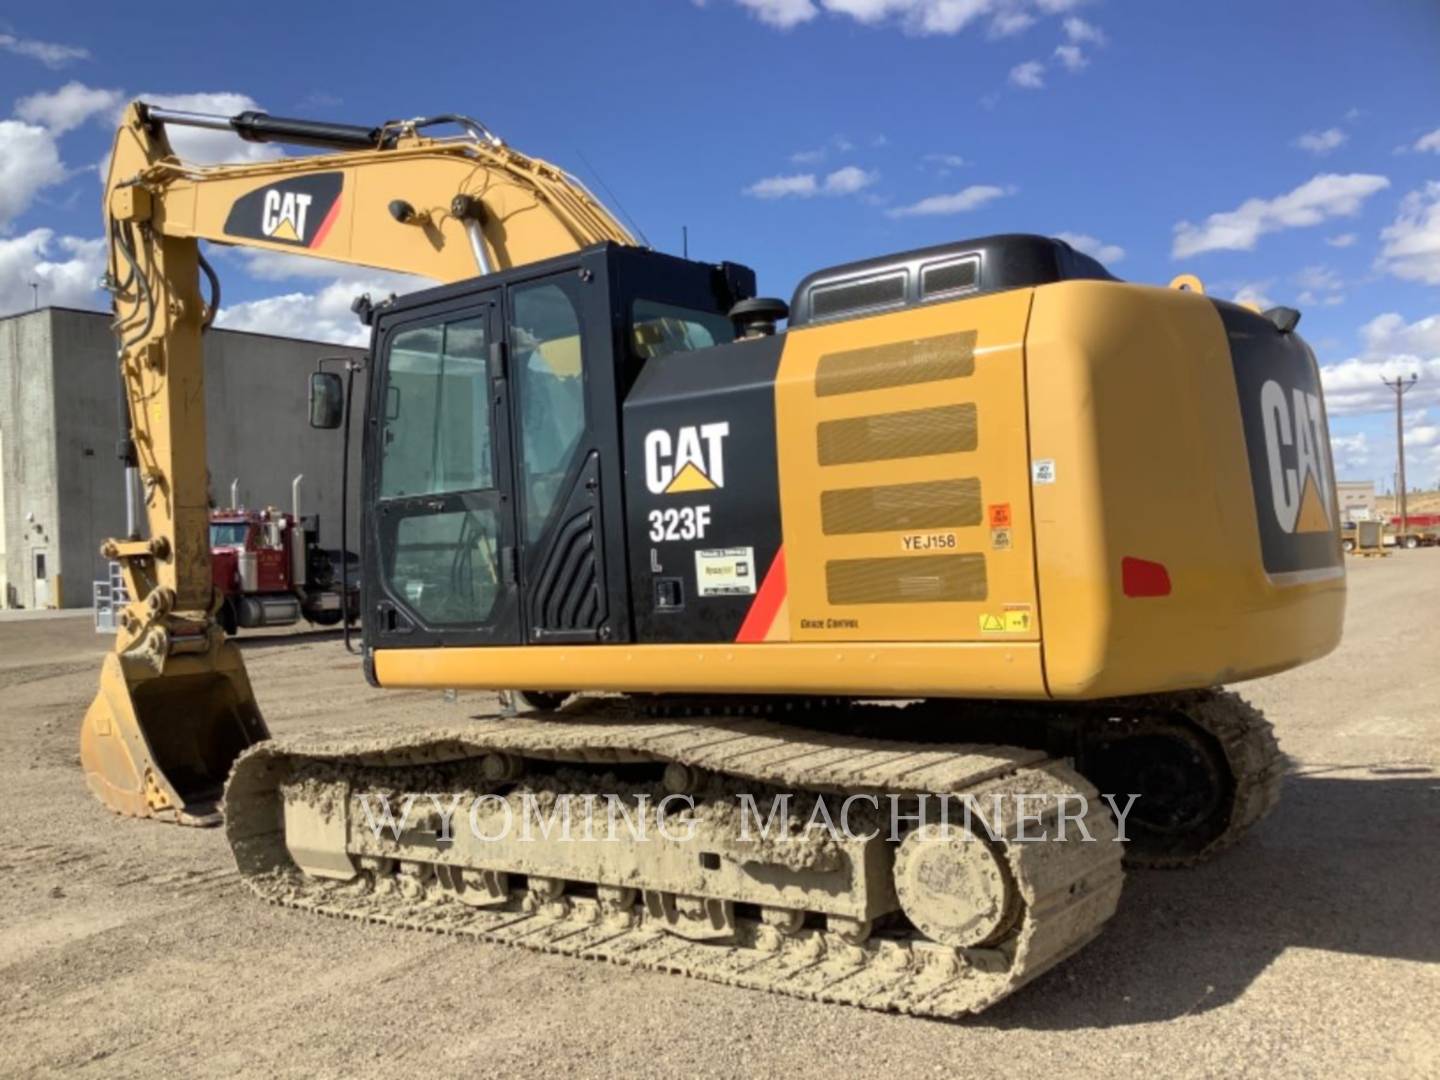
x: 547, y: 362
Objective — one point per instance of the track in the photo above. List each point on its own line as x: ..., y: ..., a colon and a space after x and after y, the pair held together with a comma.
x: 1235, y: 743
x: 1066, y: 889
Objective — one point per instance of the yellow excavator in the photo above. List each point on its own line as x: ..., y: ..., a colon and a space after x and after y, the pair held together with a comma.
x: 980, y: 533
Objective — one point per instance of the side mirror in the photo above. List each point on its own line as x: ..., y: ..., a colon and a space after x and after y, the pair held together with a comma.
x: 327, y: 400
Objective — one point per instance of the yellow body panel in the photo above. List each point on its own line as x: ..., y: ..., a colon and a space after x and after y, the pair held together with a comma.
x: 1106, y: 423
x: 1010, y: 670
x: 991, y: 380
x: 1132, y: 397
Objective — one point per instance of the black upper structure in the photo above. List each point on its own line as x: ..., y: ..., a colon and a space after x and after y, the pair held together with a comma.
x: 932, y: 274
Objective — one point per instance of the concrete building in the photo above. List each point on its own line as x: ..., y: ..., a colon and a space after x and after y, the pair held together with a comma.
x: 1357, y: 499
x: 61, y: 485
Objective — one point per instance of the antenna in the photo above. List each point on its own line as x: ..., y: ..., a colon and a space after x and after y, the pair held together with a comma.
x: 685, y: 240
x: 615, y: 199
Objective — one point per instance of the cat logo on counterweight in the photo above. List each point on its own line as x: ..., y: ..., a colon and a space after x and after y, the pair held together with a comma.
x: 1299, y: 491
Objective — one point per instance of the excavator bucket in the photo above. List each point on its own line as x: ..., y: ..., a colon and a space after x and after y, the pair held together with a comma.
x: 160, y: 743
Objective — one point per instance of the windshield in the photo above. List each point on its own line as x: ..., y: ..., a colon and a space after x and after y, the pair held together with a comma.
x: 228, y: 533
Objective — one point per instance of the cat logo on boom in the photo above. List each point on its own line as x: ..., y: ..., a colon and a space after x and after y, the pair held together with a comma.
x: 283, y: 215
x: 693, y: 459
x: 298, y: 212
x: 1299, y: 492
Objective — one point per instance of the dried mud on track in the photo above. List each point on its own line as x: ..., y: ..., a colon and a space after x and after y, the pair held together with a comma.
x: 130, y: 948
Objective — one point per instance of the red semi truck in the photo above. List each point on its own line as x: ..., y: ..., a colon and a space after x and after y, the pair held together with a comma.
x: 270, y: 568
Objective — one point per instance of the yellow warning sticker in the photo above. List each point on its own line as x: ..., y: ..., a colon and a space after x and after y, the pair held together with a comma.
x: 992, y: 624
x: 1017, y: 622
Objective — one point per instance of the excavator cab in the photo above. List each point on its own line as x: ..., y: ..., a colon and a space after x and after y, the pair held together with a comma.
x: 493, y: 454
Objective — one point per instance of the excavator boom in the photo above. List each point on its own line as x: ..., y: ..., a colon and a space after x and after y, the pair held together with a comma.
x: 175, y: 707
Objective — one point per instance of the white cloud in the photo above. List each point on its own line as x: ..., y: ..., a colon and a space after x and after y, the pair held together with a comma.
x: 1391, y: 334
x: 68, y: 269
x: 48, y: 53
x: 943, y: 163
x: 1071, y: 57
x: 1010, y: 23
x: 1318, y: 199
x: 1354, y: 387
x: 67, y: 108
x: 844, y: 181
x: 283, y: 266
x: 919, y: 17
x: 849, y: 180
x: 782, y: 14
x: 29, y: 163
x: 971, y: 198
x: 1320, y: 285
x: 1254, y: 292
x: 1080, y: 32
x: 201, y: 146
x: 837, y: 144
x: 780, y: 187
x: 1428, y: 142
x: 319, y: 316
x: 1391, y: 348
x: 1352, y: 453
x: 1412, y: 241
x: 1321, y: 143
x: 1344, y: 240
x: 1030, y: 75
x: 1106, y: 253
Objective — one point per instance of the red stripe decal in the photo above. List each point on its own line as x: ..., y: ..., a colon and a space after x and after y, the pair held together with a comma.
x: 324, y: 229
x: 766, y: 603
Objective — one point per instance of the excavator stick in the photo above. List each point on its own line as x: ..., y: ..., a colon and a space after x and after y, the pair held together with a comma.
x: 160, y: 744
x: 175, y: 708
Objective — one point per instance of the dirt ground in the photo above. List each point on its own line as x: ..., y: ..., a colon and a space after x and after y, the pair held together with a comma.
x: 130, y: 948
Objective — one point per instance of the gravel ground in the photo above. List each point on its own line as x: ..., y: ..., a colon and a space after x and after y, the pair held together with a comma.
x: 130, y: 948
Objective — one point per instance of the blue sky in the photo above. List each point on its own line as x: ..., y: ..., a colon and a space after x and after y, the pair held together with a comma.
x: 1287, y: 152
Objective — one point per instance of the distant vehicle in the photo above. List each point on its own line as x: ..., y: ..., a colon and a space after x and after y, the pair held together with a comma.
x: 272, y: 572
x: 1422, y: 530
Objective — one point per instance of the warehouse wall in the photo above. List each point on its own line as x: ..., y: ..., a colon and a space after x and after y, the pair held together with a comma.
x: 29, y: 513
x: 257, y: 419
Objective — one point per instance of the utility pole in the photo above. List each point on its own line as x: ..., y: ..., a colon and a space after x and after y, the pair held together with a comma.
x: 35, y: 294
x: 1400, y: 385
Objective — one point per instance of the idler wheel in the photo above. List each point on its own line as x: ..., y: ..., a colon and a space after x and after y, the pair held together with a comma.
x: 955, y: 888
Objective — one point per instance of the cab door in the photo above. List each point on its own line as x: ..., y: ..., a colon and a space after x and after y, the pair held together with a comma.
x: 440, y: 562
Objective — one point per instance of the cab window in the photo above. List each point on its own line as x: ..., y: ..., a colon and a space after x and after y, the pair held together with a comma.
x: 548, y: 366
x: 436, y: 438
x: 661, y: 329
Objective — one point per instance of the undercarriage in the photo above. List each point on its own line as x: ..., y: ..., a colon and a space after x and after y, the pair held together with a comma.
x: 800, y: 857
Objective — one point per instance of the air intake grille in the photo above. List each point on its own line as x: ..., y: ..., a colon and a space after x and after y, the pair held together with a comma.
x: 896, y: 363
x: 917, y: 579
x: 913, y: 433
x: 866, y: 294
x: 933, y: 504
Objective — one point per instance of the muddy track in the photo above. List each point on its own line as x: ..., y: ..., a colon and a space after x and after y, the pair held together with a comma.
x: 1068, y: 889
